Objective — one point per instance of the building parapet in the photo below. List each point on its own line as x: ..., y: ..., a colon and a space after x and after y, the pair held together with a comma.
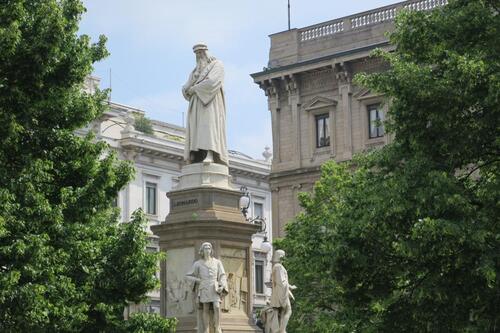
x: 338, y: 35
x: 356, y: 21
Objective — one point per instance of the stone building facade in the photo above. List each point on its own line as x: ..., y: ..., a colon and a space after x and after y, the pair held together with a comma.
x: 158, y: 159
x: 318, y: 113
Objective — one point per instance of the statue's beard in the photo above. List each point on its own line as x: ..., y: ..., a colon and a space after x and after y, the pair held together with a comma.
x: 201, y: 64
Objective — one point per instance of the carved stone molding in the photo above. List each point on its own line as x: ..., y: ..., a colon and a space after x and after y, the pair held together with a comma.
x: 271, y: 87
x: 130, y: 154
x: 365, y: 93
x: 319, y: 102
x: 343, y: 73
x: 291, y: 83
x: 319, y: 80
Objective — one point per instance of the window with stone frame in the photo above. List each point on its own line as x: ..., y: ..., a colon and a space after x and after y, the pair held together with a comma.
x: 258, y: 209
x: 322, y: 130
x: 375, y: 121
x: 151, y: 195
x: 259, y: 276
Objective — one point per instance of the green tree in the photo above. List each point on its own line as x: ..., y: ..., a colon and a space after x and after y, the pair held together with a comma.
x: 407, y: 238
x: 143, y: 124
x: 66, y: 264
x: 150, y: 323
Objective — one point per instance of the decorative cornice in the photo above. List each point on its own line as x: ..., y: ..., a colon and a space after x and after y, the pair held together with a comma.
x: 296, y: 66
x: 302, y: 172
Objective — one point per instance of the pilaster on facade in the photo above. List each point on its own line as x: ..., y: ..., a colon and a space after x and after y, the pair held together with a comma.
x: 271, y: 90
x: 292, y: 86
x: 344, y: 74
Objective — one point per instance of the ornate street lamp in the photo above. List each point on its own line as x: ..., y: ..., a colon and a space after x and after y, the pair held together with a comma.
x: 245, y: 202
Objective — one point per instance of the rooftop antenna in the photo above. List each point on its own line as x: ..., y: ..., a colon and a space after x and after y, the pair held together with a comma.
x: 288, y: 14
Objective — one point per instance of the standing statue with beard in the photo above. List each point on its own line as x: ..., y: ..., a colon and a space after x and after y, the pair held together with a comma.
x: 206, y: 119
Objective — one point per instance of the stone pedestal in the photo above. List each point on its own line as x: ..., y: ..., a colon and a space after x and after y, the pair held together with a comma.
x: 205, y: 213
x: 204, y: 175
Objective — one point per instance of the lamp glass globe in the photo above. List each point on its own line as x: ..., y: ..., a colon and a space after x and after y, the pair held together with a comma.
x: 244, y: 202
x: 266, y: 246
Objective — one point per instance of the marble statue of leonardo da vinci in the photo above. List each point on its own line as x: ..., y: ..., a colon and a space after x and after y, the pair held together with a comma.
x: 206, y: 119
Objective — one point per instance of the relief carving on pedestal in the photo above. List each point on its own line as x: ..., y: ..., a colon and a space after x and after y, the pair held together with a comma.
x: 179, y: 291
x: 235, y: 261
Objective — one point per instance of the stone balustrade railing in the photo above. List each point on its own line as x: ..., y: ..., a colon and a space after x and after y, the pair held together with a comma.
x: 357, y: 21
x: 374, y: 17
x: 322, y: 30
x: 425, y: 4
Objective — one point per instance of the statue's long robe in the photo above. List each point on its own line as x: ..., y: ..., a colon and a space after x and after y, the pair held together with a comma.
x: 206, y: 119
x: 281, y: 289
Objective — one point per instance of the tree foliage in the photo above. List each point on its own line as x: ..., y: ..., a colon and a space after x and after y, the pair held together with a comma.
x: 150, y: 323
x: 66, y: 264
x: 407, y: 238
x: 143, y: 124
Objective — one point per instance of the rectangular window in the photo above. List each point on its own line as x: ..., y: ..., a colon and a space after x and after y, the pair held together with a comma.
x: 259, y: 276
x: 322, y: 130
x: 375, y: 119
x: 258, y: 209
x: 151, y: 198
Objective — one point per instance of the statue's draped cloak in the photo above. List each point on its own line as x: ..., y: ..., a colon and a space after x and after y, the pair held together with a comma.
x: 281, y: 288
x: 206, y: 125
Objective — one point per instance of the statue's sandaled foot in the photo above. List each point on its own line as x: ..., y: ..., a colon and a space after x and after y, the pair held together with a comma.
x: 209, y: 158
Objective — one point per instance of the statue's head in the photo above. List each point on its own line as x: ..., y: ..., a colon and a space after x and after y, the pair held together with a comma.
x: 202, y: 56
x: 277, y: 255
x: 206, y: 250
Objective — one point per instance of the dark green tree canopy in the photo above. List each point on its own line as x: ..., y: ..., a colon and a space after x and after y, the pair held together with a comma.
x: 407, y: 238
x: 66, y: 264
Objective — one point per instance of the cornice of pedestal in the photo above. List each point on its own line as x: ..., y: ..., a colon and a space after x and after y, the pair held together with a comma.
x: 207, y: 230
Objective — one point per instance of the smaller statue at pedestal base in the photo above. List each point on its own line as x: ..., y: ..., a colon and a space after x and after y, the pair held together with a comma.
x: 210, y: 285
x: 275, y: 316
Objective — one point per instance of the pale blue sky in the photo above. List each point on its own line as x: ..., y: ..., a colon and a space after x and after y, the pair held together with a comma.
x: 151, y: 41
